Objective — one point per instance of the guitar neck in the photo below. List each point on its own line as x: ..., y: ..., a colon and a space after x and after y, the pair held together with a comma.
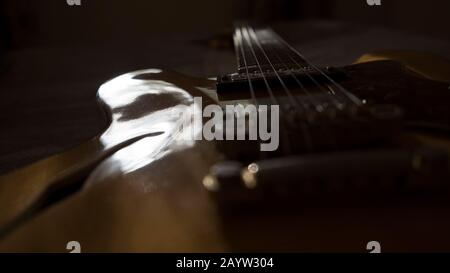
x: 259, y: 50
x: 264, y: 58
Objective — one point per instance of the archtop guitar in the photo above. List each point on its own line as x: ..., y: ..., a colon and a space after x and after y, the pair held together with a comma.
x: 361, y: 154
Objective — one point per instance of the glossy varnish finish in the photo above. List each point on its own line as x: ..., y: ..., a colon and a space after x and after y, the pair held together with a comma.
x: 142, y: 191
x: 140, y: 113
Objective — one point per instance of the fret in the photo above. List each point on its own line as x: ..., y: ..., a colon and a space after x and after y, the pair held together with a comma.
x: 279, y: 54
x: 277, y: 61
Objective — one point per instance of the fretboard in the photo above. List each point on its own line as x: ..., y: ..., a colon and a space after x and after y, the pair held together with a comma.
x: 267, y: 62
x: 262, y: 50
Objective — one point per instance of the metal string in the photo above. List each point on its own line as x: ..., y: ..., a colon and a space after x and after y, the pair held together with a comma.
x: 306, y: 134
x: 238, y: 43
x: 269, y: 89
x: 349, y: 95
x: 252, y: 34
x: 311, y: 98
x: 287, y: 143
x: 335, y: 101
x: 326, y: 132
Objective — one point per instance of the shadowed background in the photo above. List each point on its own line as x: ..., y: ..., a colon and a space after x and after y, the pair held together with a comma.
x: 54, y: 57
x: 51, y: 22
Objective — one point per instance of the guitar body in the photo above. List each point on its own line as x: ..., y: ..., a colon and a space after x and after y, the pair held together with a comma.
x: 137, y: 187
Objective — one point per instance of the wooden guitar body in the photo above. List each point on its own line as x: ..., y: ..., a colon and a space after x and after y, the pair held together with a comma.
x: 137, y: 187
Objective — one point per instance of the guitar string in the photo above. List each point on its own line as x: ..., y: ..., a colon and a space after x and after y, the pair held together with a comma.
x: 348, y: 94
x: 287, y: 51
x: 352, y: 98
x: 303, y: 126
x: 239, y: 43
x: 287, y: 142
x: 310, y: 97
x: 269, y: 89
x: 325, y: 131
x: 337, y: 103
x: 239, y: 46
x: 252, y: 35
x: 255, y: 38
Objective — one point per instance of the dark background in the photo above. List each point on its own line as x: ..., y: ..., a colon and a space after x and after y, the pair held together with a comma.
x: 53, y: 57
x: 28, y: 23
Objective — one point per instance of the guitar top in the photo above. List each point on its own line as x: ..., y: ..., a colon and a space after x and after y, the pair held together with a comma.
x: 279, y: 155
